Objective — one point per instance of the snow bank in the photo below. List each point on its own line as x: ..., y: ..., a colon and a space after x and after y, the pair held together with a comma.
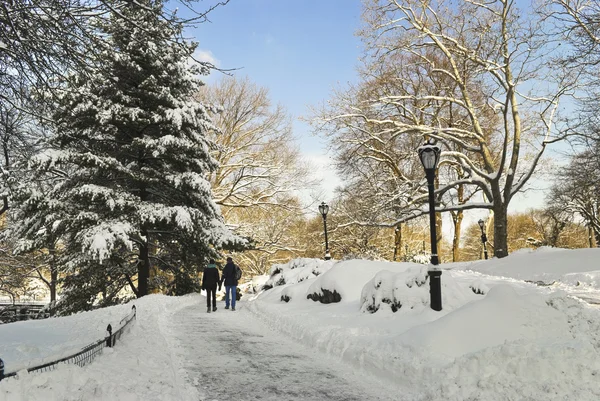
x: 141, y: 368
x: 544, y: 265
x: 495, y: 339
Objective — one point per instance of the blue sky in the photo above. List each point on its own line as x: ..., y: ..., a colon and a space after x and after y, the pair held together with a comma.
x: 299, y: 50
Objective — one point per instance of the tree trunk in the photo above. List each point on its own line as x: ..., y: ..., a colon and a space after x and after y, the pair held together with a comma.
x: 53, y: 275
x: 500, y: 231
x: 592, y: 236
x: 144, y: 266
x: 144, y: 259
x: 457, y: 220
x: 397, y: 240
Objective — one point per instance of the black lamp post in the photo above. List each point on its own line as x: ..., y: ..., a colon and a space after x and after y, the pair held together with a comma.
x: 429, y: 153
x: 324, y: 209
x: 483, y: 237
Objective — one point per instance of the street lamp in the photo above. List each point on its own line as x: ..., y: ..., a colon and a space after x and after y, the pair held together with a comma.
x: 429, y: 153
x: 324, y: 209
x: 483, y: 237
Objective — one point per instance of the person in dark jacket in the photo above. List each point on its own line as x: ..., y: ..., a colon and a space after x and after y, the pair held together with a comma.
x: 230, y: 281
x: 210, y: 281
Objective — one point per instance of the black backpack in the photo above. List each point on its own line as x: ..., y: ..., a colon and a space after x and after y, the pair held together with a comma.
x: 238, y: 272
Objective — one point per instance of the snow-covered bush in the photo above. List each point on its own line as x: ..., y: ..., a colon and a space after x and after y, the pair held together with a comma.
x: 255, y: 285
x: 423, y: 259
x: 370, y: 284
x: 325, y: 296
x: 344, y: 280
x: 478, y: 287
x: 294, y: 292
x: 409, y: 289
x: 296, y: 271
x: 370, y: 254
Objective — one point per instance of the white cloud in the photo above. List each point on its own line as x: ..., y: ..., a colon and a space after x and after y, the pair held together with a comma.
x: 206, y: 55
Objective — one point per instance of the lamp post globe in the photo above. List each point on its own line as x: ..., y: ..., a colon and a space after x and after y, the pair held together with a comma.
x: 429, y: 154
x: 483, y: 237
x: 324, y: 209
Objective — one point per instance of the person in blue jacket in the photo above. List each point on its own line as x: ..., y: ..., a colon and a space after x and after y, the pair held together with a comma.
x: 231, y: 272
x: 210, y: 281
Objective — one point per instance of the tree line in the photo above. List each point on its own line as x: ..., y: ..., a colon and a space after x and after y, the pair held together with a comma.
x: 123, y: 173
x: 495, y: 85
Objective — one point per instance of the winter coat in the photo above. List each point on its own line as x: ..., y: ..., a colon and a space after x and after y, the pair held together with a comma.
x: 229, y: 274
x: 210, y: 278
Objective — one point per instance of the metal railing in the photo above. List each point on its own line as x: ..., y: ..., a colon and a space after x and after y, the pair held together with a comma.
x: 87, y: 354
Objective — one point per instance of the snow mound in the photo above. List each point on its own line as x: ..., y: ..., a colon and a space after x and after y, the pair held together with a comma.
x: 501, y: 317
x: 347, y: 278
x: 410, y: 290
x: 296, y: 271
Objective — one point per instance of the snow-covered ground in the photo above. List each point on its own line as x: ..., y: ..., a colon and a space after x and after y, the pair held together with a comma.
x: 498, y: 337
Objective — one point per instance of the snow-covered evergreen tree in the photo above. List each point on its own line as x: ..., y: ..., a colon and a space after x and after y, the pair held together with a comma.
x: 131, y: 149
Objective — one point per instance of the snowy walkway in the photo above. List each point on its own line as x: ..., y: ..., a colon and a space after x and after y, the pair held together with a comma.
x: 233, y: 356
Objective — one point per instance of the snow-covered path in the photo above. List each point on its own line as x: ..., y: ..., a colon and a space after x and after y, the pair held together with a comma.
x: 233, y: 356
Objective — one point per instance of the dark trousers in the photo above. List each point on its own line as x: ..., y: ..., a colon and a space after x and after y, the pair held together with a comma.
x: 211, y: 292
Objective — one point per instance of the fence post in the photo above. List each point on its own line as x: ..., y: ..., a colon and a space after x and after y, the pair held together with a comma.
x: 109, y: 338
x: 1, y: 369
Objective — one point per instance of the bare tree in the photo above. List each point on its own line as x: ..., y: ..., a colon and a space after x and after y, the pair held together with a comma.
x: 576, y: 23
x: 577, y: 191
x: 41, y: 40
x: 576, y: 188
x: 20, y: 137
x: 260, y: 171
x: 259, y: 164
x: 277, y: 236
x: 479, y: 64
x: 556, y: 227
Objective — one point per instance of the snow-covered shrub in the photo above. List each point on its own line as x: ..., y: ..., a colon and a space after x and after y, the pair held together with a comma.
x: 321, y: 268
x: 345, y: 279
x: 478, y: 287
x: 255, y: 285
x: 325, y: 296
x: 295, y: 271
x: 406, y: 289
x: 410, y: 290
x: 369, y: 254
x: 294, y: 292
x: 423, y: 259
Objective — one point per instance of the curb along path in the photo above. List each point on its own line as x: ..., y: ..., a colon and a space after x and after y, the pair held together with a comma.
x: 233, y: 356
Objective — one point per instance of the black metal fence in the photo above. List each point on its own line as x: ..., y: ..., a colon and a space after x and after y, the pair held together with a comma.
x: 88, y: 353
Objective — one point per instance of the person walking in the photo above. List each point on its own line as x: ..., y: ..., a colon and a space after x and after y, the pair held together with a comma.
x: 210, y: 281
x: 231, y: 275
